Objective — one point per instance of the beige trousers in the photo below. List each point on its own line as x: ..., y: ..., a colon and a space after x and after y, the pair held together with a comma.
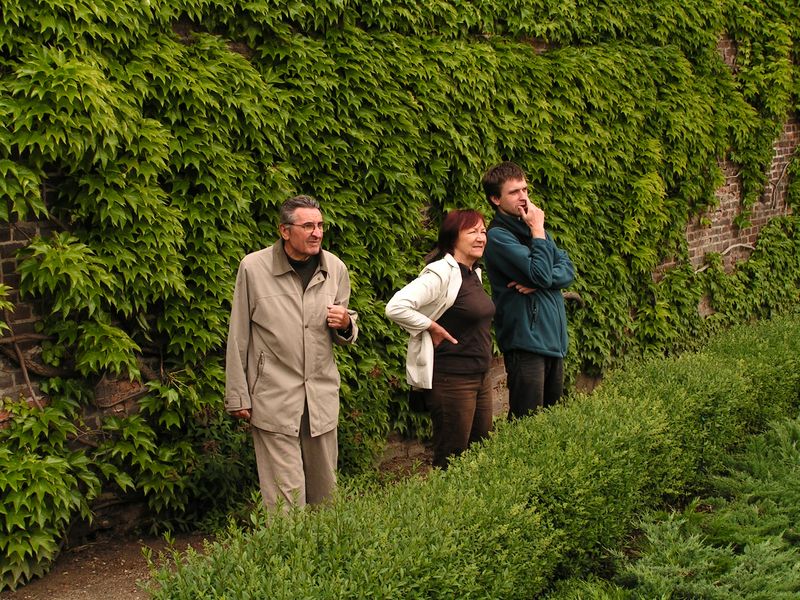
x: 296, y: 470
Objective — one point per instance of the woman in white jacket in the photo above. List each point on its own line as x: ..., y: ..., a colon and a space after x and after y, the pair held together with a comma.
x: 448, y: 315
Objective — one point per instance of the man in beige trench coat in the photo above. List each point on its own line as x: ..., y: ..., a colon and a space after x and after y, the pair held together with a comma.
x: 289, y: 308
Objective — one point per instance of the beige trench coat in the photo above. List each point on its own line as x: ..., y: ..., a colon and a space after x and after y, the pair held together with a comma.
x: 280, y: 348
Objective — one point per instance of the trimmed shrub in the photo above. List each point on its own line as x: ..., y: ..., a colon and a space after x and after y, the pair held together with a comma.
x: 545, y: 498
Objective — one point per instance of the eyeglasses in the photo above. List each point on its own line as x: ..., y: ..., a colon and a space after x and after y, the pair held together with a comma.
x: 308, y: 227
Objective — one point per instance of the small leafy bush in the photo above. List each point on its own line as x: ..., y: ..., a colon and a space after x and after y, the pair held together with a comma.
x: 43, y: 485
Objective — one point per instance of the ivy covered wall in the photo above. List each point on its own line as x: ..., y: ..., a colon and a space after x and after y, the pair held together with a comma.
x: 157, y: 138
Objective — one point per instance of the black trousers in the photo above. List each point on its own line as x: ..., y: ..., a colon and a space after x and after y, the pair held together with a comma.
x: 535, y: 381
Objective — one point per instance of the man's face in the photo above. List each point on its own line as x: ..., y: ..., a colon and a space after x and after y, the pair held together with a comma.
x: 303, y: 238
x: 513, y: 196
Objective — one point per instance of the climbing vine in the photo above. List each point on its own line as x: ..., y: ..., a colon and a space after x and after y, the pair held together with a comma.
x: 159, y: 137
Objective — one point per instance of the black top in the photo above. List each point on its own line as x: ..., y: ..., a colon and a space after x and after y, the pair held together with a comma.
x: 305, y: 268
x: 469, y: 320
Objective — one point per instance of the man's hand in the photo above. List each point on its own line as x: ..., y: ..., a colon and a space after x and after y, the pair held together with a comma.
x: 338, y: 317
x: 241, y: 414
x: 534, y: 218
x: 521, y: 288
x: 440, y: 334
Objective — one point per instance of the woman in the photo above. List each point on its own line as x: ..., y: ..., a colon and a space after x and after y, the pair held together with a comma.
x: 449, y: 315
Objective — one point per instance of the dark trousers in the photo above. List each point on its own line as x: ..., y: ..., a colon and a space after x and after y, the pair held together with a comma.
x: 461, y: 412
x: 534, y: 381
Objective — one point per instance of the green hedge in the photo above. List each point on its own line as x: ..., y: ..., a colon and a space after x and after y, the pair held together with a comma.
x: 545, y: 498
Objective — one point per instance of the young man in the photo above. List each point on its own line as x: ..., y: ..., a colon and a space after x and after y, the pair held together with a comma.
x: 289, y: 308
x: 527, y: 272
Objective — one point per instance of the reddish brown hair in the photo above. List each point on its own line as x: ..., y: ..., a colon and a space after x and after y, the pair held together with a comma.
x: 453, y: 223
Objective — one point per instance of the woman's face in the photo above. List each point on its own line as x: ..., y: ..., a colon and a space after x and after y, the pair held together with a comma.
x: 470, y: 244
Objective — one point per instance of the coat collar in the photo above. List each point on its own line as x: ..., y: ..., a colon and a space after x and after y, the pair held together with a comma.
x: 514, y: 224
x: 280, y: 261
x: 453, y: 263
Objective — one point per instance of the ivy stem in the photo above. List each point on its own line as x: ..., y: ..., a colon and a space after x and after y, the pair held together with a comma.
x: 24, y: 370
x: 18, y: 351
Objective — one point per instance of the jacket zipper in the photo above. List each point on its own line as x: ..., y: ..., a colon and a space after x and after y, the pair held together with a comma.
x: 261, y: 359
x: 533, y: 309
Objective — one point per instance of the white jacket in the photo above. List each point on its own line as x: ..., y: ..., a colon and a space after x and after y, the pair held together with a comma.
x: 414, y: 307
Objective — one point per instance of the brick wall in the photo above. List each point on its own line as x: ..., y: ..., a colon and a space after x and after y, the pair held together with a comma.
x: 713, y: 231
x: 21, y: 343
x: 719, y: 234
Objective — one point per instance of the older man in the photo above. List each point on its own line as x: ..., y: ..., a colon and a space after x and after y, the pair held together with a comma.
x: 289, y: 308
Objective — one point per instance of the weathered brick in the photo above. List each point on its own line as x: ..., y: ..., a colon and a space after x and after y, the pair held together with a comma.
x: 6, y: 379
x: 23, y: 231
x: 22, y: 312
x: 22, y: 327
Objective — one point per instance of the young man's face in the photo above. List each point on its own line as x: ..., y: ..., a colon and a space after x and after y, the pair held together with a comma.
x: 302, y: 239
x: 513, y: 196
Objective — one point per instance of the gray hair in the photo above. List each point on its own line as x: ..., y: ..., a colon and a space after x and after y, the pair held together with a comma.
x: 292, y: 204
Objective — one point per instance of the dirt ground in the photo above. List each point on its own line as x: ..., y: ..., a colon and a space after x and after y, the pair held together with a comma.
x: 105, y: 570
x: 110, y: 568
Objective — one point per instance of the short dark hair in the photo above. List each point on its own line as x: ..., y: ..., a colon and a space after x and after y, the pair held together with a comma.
x: 496, y: 176
x: 292, y: 204
x: 452, y: 224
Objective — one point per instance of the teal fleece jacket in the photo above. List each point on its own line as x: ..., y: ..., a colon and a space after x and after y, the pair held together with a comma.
x: 535, y: 322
